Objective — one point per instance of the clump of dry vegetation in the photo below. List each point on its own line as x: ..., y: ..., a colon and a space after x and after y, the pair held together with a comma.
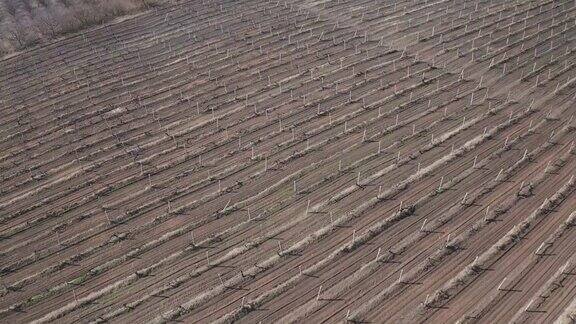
x: 25, y: 23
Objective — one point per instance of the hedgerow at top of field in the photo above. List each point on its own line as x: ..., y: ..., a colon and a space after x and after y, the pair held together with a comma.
x: 25, y: 23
